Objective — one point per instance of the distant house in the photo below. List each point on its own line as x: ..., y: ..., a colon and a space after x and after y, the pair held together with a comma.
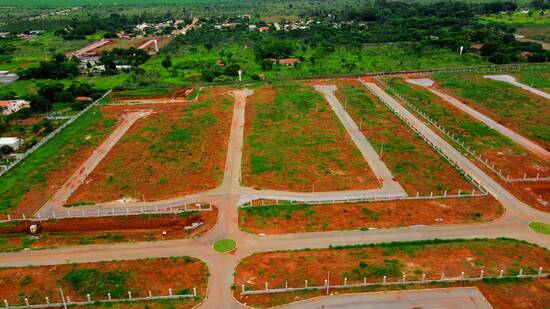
x: 252, y: 27
x: 83, y: 99
x: 263, y: 29
x: 13, y: 142
x: 289, y: 61
x: 12, y: 106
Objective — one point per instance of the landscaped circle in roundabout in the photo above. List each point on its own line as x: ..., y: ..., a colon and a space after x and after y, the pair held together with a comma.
x: 225, y: 245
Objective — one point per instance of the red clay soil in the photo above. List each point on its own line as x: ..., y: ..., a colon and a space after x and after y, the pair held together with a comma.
x: 179, y: 149
x: 35, y: 198
x: 155, y: 275
x: 175, y: 93
x: 374, y: 262
x: 102, y: 230
x: 333, y: 165
x: 349, y: 216
x: 416, y: 166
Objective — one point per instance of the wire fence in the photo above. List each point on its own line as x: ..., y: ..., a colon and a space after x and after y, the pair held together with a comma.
x: 112, y: 212
x: 455, y: 138
x: 385, y: 282
x: 21, y: 157
x: 453, y: 163
x: 67, y: 301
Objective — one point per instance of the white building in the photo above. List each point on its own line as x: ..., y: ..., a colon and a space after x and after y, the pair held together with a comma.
x: 11, y: 106
x: 13, y: 142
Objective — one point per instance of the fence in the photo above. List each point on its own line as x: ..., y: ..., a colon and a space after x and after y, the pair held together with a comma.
x: 114, y: 211
x: 385, y: 282
x: 66, y: 300
x: 51, y: 135
x: 455, y: 139
x: 476, y: 183
x: 372, y: 198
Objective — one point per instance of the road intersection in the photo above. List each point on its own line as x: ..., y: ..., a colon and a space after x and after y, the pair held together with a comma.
x: 228, y: 197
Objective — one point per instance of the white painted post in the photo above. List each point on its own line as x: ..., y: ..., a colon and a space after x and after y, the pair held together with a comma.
x: 109, y: 296
x: 9, y: 218
x: 520, y: 272
x: 150, y: 294
x: 345, y: 281
x: 26, y: 301
x: 431, y: 194
x: 266, y: 286
x: 305, y: 284
x: 423, y: 277
x: 445, y: 193
x: 6, y: 303
x: 242, y: 288
x: 365, y: 281
x: 461, y: 276
x: 68, y: 300
x: 481, y: 274
x: 459, y: 191
x: 443, y: 276
x: 404, y: 278
x: 384, y: 280
x: 540, y: 271
x: 286, y: 285
x: 170, y: 292
x: 47, y: 299
x: 501, y: 273
x: 24, y: 217
x: 194, y: 291
x: 129, y: 295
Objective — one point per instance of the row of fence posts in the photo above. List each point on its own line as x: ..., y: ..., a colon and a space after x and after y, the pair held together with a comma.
x: 66, y: 300
x: 402, y: 280
x: 455, y: 164
x: 454, y: 138
x: 111, y: 212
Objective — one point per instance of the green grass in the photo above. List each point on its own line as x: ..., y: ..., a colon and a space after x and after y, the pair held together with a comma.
x: 505, y: 103
x: 540, y: 227
x: 32, y: 173
x: 539, y: 79
x: 519, y: 19
x: 91, y: 281
x: 225, y: 245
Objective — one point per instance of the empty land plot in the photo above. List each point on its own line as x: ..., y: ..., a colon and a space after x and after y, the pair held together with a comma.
x: 516, y: 109
x: 294, y: 141
x: 539, y: 79
x: 416, y: 166
x: 333, y: 217
x: 508, y: 156
x: 181, y: 274
x: 179, y: 149
x: 14, y: 236
x: 430, y: 257
x: 25, y: 188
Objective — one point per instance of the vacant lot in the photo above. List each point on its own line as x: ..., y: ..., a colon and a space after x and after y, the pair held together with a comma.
x: 181, y: 274
x: 14, y: 236
x: 24, y: 189
x: 509, y: 157
x: 416, y: 166
x: 392, y: 260
x: 539, y: 79
x: 332, y: 217
x: 294, y: 141
x: 177, y: 150
x: 509, y: 105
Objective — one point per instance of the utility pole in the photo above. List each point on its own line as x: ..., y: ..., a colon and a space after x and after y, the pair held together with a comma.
x: 328, y: 281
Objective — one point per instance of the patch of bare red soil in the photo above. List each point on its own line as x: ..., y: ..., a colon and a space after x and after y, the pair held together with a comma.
x: 348, y: 216
x: 98, y: 230
x: 374, y: 262
x: 155, y: 275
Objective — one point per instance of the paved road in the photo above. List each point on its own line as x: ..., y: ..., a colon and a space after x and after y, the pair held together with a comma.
x: 521, y: 140
x: 451, y: 298
x: 512, y: 80
x: 77, y: 178
x: 227, y: 198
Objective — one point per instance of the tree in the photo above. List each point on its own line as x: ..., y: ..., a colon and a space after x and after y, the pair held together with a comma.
x: 5, y: 150
x: 267, y: 64
x: 49, y: 91
x: 499, y: 58
x: 489, y: 48
x: 167, y: 62
x: 40, y: 104
x: 232, y: 69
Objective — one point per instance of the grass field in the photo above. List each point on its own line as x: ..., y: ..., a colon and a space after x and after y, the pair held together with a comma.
x: 416, y: 166
x: 225, y: 245
x: 509, y: 105
x: 538, y: 79
x: 32, y: 182
x: 353, y: 216
x: 374, y: 261
x: 181, y: 274
x: 540, y: 227
x: 294, y: 141
x: 519, y: 19
x: 178, y: 149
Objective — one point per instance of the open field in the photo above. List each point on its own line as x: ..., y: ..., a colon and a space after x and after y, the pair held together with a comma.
x: 294, y: 141
x: 510, y: 106
x: 25, y: 188
x: 537, y: 79
x: 350, y: 216
x: 416, y: 166
x: 179, y: 149
x: 103, y: 230
x: 508, y: 156
x: 374, y: 261
x: 181, y: 274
